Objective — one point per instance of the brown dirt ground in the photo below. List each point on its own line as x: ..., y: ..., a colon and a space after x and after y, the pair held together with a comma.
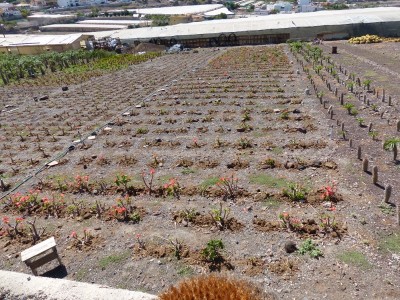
x: 208, y: 114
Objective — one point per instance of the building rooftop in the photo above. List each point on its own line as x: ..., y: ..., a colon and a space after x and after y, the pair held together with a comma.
x: 51, y: 16
x: 179, y: 10
x: 38, y: 40
x: 216, y: 12
x: 114, y: 22
x: 262, y: 23
x: 76, y: 26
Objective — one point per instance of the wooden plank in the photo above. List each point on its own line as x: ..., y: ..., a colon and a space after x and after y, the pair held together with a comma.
x: 38, y: 249
x: 43, y: 260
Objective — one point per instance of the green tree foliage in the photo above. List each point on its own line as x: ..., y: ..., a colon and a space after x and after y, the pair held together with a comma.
x: 158, y: 20
x: 221, y: 16
x: 231, y: 5
x: 15, y: 67
x: 337, y: 6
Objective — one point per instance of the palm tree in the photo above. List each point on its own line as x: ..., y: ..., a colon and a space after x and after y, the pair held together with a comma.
x: 391, y: 145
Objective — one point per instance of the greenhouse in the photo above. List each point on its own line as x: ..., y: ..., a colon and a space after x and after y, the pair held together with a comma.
x: 327, y: 25
x: 36, y: 44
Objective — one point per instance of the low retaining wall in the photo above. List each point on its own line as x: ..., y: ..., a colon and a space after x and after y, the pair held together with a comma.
x: 24, y: 286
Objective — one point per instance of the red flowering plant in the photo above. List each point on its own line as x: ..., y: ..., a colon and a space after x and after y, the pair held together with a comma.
x: 290, y: 222
x: 148, y: 182
x: 80, y: 184
x: 172, y: 188
x: 26, y: 203
x: 124, y: 211
x: 329, y: 192
x: 229, y: 186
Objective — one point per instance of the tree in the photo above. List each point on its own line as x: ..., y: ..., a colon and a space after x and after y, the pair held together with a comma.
x: 95, y: 12
x: 158, y: 20
x: 231, y: 5
x: 221, y: 16
x: 337, y: 6
x: 250, y: 8
x: 25, y: 12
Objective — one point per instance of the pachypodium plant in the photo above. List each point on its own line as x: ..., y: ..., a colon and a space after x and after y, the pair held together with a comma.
x: 76, y: 208
x: 188, y: 214
x: 82, y: 240
x: 177, y: 248
x: 62, y: 186
x: 148, y: 182
x: 172, y: 188
x: 229, y: 185
x: 54, y: 206
x: 195, y: 143
x: 99, y: 208
x: 220, y: 217
x: 327, y: 223
x: 156, y: 161
x: 35, y: 234
x: 140, y: 241
x: 11, y: 230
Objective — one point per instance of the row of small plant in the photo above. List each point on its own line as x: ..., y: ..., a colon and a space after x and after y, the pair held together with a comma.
x: 325, y: 225
x: 55, y: 205
x: 123, y: 183
x: 21, y: 229
x: 315, y: 54
x: 296, y: 192
x: 33, y: 203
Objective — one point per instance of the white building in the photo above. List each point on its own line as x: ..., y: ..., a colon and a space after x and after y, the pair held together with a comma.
x: 280, y: 7
x: 9, y: 11
x: 303, y: 2
x: 6, y: 6
x: 306, y: 8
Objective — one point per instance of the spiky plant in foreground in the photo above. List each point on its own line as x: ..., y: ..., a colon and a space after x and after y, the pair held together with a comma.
x: 213, y: 287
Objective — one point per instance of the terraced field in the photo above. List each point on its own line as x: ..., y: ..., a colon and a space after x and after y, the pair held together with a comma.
x: 210, y: 161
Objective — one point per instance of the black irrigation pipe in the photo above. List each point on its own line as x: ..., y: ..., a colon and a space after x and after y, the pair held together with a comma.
x: 72, y: 146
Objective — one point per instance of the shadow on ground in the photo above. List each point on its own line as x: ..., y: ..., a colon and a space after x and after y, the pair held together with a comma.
x: 57, y: 272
